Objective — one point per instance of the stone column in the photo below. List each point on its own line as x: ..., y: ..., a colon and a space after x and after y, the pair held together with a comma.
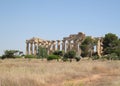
x: 39, y: 44
x: 69, y: 45
x: 66, y: 46
x: 42, y: 44
x: 75, y: 46
x: 49, y: 46
x: 27, y: 48
x: 31, y: 48
x: 72, y: 45
x: 99, y: 48
x: 35, y: 49
x: 58, y: 44
x: 53, y: 45
x: 45, y: 45
x: 63, y: 45
x: 79, y: 49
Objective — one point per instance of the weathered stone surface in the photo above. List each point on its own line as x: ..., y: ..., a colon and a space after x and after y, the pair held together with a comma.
x: 68, y: 43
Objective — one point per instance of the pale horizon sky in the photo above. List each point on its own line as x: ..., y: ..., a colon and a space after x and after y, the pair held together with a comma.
x: 54, y: 19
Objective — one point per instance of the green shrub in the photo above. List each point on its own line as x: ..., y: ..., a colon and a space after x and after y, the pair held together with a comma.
x: 64, y: 59
x: 95, y: 57
x: 13, y: 57
x: 30, y: 56
x: 18, y: 56
x: 42, y: 53
x: 5, y: 56
x: 12, y: 54
x: 117, y: 51
x: 69, y: 55
x: 53, y: 57
x: 59, y: 53
x: 77, y: 58
x: 106, y: 57
x: 112, y: 56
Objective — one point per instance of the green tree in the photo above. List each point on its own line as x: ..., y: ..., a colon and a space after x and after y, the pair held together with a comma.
x: 59, y: 53
x: 42, y: 52
x: 11, y: 54
x: 70, y: 55
x: 30, y: 56
x: 110, y: 43
x: 53, y: 57
x: 117, y: 48
x: 87, y: 47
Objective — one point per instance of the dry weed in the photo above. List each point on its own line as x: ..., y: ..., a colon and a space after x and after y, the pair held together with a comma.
x: 34, y: 72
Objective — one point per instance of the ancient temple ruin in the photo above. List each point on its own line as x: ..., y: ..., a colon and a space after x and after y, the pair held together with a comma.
x: 68, y: 43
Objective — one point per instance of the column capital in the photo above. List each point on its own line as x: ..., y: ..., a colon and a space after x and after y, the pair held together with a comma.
x: 27, y: 41
x: 53, y: 42
x: 31, y: 42
x: 69, y: 40
x: 63, y: 40
x: 35, y: 42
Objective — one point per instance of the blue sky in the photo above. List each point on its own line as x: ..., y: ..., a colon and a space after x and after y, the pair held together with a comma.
x: 55, y: 19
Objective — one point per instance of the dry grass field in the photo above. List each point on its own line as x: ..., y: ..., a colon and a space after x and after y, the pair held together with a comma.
x: 25, y: 72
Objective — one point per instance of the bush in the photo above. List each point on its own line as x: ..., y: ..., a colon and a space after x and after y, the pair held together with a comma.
x: 95, y: 57
x: 18, y: 56
x: 69, y: 55
x: 13, y: 57
x: 42, y: 53
x: 112, y: 56
x: 30, y: 56
x: 64, y: 59
x: 117, y: 51
x: 78, y: 58
x: 5, y: 56
x: 12, y: 54
x: 52, y: 57
x: 59, y: 53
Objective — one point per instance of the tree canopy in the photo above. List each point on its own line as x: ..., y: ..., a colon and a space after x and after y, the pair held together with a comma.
x: 110, y: 43
x: 87, y: 46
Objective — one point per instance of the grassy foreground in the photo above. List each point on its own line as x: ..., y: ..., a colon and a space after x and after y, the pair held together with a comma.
x: 24, y: 72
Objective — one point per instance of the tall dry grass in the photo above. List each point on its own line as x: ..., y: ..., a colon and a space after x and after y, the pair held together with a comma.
x: 34, y: 72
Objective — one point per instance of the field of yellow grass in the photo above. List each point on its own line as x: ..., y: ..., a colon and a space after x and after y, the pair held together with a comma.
x: 34, y: 72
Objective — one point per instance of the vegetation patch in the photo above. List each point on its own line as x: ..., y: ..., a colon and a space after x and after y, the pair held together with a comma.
x: 53, y: 57
x: 30, y: 56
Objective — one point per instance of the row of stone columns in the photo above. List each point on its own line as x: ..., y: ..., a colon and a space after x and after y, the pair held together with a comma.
x: 68, y: 43
x: 32, y: 47
x: 64, y: 45
x: 51, y: 46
